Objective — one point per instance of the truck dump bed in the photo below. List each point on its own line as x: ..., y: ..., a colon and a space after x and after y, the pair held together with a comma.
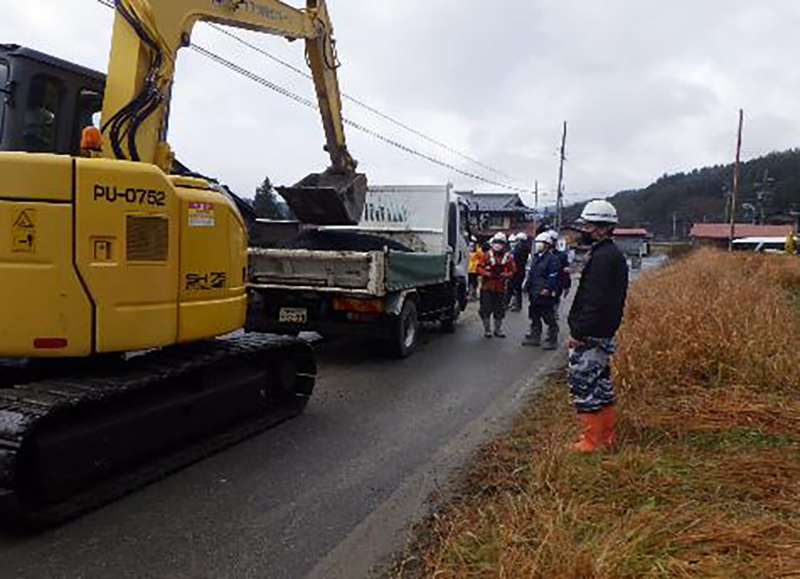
x: 373, y: 273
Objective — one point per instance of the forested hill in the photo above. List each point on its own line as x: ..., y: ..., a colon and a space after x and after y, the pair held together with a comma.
x: 701, y: 195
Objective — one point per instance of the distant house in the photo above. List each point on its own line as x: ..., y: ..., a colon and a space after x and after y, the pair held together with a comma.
x: 632, y: 242
x: 491, y: 213
x: 718, y: 234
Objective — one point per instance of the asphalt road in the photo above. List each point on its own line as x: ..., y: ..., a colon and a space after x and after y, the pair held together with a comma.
x: 328, y: 494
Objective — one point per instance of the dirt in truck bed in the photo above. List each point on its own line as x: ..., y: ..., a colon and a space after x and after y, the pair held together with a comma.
x: 327, y: 240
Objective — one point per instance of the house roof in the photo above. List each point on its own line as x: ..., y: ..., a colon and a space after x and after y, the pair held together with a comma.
x: 622, y: 232
x: 723, y: 230
x: 510, y: 202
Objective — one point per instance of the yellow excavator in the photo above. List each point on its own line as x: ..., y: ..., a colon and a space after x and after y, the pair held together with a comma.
x: 122, y: 280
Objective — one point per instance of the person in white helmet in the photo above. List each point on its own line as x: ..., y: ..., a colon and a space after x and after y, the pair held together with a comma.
x: 496, y: 270
x: 594, y: 319
x: 542, y: 284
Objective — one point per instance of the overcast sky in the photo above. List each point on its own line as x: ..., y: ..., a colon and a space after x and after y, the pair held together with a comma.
x: 648, y: 87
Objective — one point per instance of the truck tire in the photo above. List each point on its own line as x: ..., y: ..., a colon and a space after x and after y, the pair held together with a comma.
x: 457, y: 305
x: 405, y: 331
x: 449, y: 319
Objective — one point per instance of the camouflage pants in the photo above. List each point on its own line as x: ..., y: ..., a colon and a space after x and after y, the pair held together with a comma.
x: 589, y: 374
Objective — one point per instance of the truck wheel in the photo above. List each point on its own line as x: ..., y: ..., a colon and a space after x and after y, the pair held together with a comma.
x: 450, y: 317
x: 448, y: 323
x: 405, y: 331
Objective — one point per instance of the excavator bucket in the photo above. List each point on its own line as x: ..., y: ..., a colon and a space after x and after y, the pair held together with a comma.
x: 329, y: 198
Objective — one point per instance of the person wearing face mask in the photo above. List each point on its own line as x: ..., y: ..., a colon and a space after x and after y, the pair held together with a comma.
x: 496, y: 270
x: 542, y: 285
x: 594, y: 319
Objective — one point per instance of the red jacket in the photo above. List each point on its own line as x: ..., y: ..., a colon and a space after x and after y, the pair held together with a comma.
x: 495, y: 270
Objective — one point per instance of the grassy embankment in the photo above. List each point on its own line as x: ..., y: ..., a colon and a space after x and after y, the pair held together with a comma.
x: 706, y: 480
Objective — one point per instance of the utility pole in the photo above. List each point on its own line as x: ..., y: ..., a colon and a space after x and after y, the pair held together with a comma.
x: 536, y: 195
x: 560, y: 197
x: 674, y: 225
x: 736, y: 170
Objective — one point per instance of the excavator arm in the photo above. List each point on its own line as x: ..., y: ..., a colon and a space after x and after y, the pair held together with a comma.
x: 147, y: 37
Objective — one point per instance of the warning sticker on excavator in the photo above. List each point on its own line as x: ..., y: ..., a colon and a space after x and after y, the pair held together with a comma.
x: 201, y: 214
x: 23, y: 231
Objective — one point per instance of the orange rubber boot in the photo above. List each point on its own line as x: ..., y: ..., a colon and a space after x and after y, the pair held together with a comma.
x: 609, y: 417
x: 591, y: 438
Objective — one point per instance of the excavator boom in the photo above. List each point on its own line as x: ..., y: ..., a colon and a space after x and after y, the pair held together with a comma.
x: 147, y: 37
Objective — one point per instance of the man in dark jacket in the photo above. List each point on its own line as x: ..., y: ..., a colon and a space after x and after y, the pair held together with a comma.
x: 522, y: 252
x: 565, y: 277
x: 594, y: 319
x: 542, y: 285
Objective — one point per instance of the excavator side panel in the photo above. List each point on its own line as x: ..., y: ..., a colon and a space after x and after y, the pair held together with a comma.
x: 44, y: 309
x: 213, y: 294
x: 127, y: 252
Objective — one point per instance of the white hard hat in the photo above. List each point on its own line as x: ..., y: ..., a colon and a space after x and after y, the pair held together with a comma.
x: 544, y: 238
x: 499, y: 238
x: 522, y: 236
x: 553, y: 236
x: 599, y: 211
x: 512, y: 238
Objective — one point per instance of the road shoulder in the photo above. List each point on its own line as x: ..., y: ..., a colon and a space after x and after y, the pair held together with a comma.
x: 369, y: 548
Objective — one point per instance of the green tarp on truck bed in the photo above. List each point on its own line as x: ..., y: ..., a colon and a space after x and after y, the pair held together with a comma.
x: 410, y: 270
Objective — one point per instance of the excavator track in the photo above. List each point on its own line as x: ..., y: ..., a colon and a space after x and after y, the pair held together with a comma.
x: 69, y: 445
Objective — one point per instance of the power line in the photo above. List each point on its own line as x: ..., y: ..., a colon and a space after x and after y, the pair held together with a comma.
x: 357, y: 126
x: 362, y: 104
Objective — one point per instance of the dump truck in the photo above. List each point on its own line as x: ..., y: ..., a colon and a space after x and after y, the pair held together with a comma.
x: 404, y: 264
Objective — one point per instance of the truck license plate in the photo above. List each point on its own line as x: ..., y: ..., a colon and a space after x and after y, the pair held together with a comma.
x: 293, y: 316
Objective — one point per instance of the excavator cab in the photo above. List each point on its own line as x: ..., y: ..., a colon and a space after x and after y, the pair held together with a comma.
x: 45, y: 102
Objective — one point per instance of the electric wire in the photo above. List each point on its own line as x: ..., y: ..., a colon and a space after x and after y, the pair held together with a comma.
x: 357, y: 126
x: 124, y: 113
x: 361, y: 103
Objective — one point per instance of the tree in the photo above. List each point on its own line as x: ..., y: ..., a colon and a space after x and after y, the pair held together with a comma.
x: 266, y: 203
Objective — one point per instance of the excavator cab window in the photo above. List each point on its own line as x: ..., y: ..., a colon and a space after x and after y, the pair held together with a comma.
x: 3, y: 95
x: 45, y: 102
x: 42, y: 114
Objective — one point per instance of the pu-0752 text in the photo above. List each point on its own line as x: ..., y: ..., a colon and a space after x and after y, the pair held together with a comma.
x: 130, y: 195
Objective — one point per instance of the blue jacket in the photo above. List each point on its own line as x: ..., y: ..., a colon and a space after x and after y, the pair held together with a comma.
x: 543, y: 273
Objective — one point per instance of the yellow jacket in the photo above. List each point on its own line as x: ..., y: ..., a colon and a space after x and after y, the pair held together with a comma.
x: 475, y: 258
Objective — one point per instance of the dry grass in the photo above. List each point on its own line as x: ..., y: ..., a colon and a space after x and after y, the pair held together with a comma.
x: 706, y: 482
